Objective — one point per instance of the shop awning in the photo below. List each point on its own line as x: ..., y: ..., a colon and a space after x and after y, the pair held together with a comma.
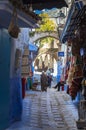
x: 73, y: 21
x: 24, y: 19
x: 33, y: 47
x: 46, y: 4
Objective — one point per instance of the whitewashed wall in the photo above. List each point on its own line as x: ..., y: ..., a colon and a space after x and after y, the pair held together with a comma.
x: 23, y: 38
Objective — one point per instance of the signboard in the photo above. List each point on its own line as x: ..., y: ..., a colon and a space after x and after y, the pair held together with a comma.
x: 61, y: 54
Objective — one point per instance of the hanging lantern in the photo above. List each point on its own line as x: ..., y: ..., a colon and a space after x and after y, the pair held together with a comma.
x: 13, y: 28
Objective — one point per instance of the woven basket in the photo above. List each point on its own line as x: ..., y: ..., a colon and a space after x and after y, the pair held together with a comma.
x: 13, y: 28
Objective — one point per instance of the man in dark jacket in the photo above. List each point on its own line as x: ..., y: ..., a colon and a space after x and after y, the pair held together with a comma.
x: 59, y: 84
x: 44, y: 82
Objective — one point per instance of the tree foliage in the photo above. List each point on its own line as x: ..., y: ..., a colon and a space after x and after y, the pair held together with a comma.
x: 46, y: 40
x: 47, y: 23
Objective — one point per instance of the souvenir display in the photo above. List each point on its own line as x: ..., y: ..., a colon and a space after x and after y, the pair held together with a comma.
x: 18, y: 56
x: 70, y: 75
x: 78, y: 71
x: 76, y: 45
x: 83, y: 82
x: 75, y: 87
x: 84, y: 79
x: 25, y: 63
x: 75, y: 77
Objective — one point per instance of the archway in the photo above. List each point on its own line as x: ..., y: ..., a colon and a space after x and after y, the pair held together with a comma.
x: 34, y: 36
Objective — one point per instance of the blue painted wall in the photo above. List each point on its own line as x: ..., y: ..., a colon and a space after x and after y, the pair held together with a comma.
x: 4, y: 78
x: 59, y: 70
x: 15, y: 86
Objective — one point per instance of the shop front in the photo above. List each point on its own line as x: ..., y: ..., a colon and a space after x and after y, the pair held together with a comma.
x: 75, y: 73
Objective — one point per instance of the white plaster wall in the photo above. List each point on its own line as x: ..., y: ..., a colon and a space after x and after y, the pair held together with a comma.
x: 55, y: 68
x: 23, y: 38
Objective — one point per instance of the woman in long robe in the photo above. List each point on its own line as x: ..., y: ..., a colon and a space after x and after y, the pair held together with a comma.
x: 44, y: 82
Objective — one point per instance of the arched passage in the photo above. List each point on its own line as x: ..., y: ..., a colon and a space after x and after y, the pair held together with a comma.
x: 40, y: 35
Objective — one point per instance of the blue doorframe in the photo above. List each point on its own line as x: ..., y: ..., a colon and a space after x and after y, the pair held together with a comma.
x: 5, y: 49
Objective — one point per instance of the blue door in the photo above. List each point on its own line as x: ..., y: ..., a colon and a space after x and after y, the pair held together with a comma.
x: 4, y: 78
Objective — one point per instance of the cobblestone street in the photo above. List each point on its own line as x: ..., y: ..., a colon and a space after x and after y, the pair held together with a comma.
x: 49, y: 110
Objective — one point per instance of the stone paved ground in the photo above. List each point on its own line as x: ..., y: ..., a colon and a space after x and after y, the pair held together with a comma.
x: 49, y: 110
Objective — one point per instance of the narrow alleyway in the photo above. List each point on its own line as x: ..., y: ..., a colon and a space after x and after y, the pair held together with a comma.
x: 49, y: 110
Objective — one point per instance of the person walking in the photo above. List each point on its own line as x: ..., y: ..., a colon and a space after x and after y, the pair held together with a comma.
x: 59, y: 84
x: 49, y: 80
x: 44, y: 82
